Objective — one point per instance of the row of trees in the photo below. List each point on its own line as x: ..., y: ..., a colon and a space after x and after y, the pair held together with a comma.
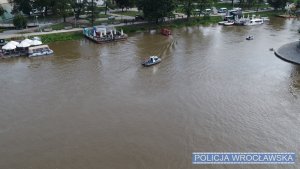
x: 152, y: 9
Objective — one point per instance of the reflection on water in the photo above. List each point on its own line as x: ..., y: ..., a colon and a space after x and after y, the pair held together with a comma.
x: 94, y: 106
x: 295, y: 79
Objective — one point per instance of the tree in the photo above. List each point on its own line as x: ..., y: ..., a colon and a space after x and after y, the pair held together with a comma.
x: 155, y: 10
x: 204, y: 4
x: 44, y: 5
x: 24, y: 6
x: 125, y: 3
x: 2, y: 11
x: 78, y: 7
x: 91, y: 7
x: 188, y: 7
x: 63, y: 8
x: 277, y: 3
x: 20, y: 21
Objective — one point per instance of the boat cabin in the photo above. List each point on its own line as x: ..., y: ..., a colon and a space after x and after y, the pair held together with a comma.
x: 153, y: 59
x: 165, y: 32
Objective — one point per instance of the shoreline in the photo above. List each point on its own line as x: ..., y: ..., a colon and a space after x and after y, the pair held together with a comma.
x: 75, y: 33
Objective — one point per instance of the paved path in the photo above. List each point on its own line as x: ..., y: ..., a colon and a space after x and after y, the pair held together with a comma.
x: 8, y: 36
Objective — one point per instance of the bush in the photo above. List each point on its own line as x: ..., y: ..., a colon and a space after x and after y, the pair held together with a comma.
x: 20, y: 21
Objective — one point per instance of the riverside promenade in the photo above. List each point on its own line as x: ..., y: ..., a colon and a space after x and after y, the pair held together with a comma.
x: 289, y: 52
x: 19, y: 34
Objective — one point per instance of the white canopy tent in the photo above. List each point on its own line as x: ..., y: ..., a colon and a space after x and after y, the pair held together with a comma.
x: 23, y: 44
x: 36, y: 42
x: 9, y: 46
x: 27, y: 41
x: 13, y: 43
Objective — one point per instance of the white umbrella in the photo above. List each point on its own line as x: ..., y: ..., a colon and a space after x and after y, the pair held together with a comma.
x: 27, y: 41
x: 9, y: 46
x: 23, y: 44
x: 36, y: 42
x: 13, y: 43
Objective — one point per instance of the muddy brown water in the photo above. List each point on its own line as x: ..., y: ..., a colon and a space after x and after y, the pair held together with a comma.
x: 94, y: 106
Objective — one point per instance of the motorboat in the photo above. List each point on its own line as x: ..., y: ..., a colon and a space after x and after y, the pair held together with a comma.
x: 255, y: 21
x: 265, y: 18
x: 222, y: 22
x: 165, y: 32
x: 250, y: 37
x: 228, y: 23
x: 151, y: 61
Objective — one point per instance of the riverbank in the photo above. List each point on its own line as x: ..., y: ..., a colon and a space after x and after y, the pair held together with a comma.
x: 75, y: 34
x: 178, y: 23
x: 61, y: 37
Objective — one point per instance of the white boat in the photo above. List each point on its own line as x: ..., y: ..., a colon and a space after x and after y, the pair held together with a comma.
x: 152, y: 61
x: 39, y: 51
x: 254, y: 21
x: 222, y: 22
x: 250, y: 37
x: 228, y: 23
x: 265, y: 18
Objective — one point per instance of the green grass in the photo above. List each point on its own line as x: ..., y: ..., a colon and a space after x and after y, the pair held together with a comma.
x: 2, y: 30
x: 236, y: 5
x: 61, y: 37
x: 49, y: 38
x: 268, y: 14
x: 225, y: 5
x: 172, y: 24
x: 129, y: 13
x: 102, y: 16
x: 60, y: 26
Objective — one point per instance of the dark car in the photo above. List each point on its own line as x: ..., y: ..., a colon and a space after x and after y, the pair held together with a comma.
x: 139, y: 18
x: 2, y: 42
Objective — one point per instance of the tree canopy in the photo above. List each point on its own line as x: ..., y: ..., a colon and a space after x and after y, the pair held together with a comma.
x: 125, y: 3
x: 2, y: 11
x: 155, y: 10
x: 276, y: 4
x: 24, y: 6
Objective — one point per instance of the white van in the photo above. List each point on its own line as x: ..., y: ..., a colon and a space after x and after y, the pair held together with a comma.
x: 222, y: 10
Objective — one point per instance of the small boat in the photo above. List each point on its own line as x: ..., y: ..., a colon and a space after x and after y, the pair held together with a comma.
x: 255, y: 21
x: 222, y: 22
x: 151, y: 61
x: 229, y: 23
x: 165, y: 32
x: 250, y: 38
x: 265, y: 18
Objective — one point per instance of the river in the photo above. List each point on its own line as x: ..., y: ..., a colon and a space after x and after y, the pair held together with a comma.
x: 94, y: 106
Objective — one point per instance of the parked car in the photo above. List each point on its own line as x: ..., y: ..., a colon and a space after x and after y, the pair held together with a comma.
x: 139, y: 18
x: 222, y: 10
x: 2, y: 42
x: 111, y: 18
x: 207, y: 11
x: 37, y: 12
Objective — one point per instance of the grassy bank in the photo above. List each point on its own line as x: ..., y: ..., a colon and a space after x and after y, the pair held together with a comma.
x: 172, y: 24
x: 49, y: 38
x: 128, y: 13
x: 178, y: 23
x: 268, y: 13
x: 61, y: 37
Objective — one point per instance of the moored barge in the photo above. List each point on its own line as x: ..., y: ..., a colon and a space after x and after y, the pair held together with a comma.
x: 103, y: 34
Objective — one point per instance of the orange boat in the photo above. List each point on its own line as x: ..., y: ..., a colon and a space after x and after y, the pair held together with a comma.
x: 165, y: 32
